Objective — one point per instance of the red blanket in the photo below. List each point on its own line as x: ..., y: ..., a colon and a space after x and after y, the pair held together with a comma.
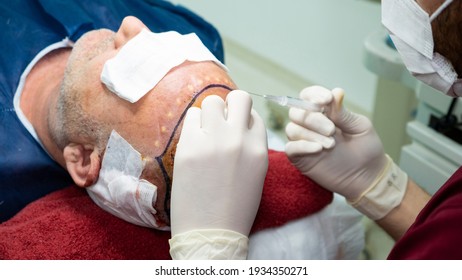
x: 68, y: 225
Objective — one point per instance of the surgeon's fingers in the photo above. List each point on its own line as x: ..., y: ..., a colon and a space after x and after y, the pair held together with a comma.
x: 257, y: 130
x: 347, y: 121
x: 301, y: 148
x: 192, y: 120
x: 314, y: 121
x: 296, y: 132
x: 256, y: 122
x: 239, y: 107
x: 213, y: 112
x: 317, y: 94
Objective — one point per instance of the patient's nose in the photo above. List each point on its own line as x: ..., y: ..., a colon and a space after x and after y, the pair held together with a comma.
x: 129, y: 28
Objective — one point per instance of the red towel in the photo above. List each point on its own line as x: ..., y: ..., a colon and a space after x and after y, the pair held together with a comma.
x: 68, y: 225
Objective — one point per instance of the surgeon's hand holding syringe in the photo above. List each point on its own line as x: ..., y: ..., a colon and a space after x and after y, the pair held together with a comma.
x: 355, y: 165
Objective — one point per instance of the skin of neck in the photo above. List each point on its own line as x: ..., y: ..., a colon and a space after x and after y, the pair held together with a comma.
x: 40, y: 94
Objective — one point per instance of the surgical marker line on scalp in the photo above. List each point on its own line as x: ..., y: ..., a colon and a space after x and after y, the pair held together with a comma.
x: 167, y: 178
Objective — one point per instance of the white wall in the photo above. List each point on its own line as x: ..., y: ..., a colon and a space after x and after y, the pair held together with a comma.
x: 320, y: 41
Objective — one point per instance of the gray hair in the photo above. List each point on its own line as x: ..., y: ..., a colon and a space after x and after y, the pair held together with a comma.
x: 71, y: 122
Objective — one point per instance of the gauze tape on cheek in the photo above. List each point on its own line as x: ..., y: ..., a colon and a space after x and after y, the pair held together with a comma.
x: 144, y: 60
x: 119, y: 189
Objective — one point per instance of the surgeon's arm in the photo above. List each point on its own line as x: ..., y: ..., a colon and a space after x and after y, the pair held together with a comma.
x: 401, y: 217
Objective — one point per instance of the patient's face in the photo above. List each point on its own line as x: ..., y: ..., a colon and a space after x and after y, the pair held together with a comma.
x: 153, y: 124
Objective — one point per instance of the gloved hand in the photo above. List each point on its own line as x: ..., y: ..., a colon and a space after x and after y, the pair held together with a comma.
x: 341, y: 151
x: 220, y: 166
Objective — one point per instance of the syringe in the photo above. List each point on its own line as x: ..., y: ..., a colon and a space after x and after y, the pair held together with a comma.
x: 290, y: 101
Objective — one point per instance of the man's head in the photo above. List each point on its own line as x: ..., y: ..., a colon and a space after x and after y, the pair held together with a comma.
x: 427, y: 35
x: 87, y: 111
x: 447, y: 32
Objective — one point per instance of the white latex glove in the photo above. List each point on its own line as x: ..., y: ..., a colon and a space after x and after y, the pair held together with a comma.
x: 341, y: 151
x: 220, y: 166
x: 209, y: 244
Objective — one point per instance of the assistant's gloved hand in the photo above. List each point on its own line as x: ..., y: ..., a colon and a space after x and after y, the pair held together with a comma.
x: 220, y: 167
x: 341, y: 151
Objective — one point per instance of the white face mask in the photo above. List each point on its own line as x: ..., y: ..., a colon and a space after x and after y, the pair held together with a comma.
x: 119, y: 189
x: 410, y: 29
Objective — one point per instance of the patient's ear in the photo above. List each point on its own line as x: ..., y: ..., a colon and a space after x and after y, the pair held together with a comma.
x: 83, y: 163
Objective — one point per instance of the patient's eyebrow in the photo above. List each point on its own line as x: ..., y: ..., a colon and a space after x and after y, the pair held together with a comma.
x: 167, y: 179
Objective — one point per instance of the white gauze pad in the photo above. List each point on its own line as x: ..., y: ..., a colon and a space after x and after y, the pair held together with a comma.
x: 119, y: 189
x: 144, y: 60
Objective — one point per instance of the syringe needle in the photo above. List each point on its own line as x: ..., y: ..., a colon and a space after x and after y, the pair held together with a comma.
x: 289, y: 101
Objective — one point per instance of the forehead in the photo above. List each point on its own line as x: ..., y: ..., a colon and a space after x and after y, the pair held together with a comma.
x: 156, y: 116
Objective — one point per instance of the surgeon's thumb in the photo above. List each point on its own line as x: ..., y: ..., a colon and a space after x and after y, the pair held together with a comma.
x: 344, y: 119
